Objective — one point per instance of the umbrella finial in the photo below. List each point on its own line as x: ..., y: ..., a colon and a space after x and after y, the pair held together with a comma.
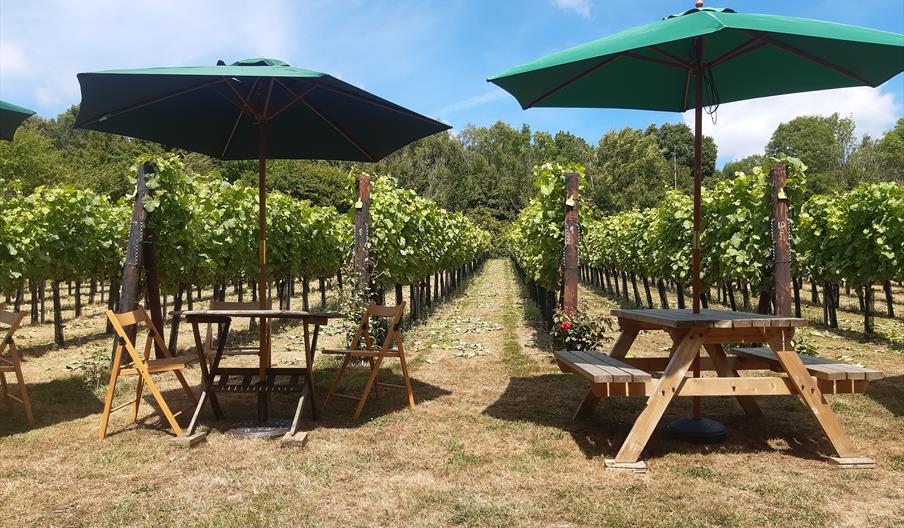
x: 698, y: 4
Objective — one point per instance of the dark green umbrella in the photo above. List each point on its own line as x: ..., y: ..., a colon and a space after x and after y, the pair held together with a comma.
x: 11, y: 116
x: 252, y: 109
x: 704, y: 57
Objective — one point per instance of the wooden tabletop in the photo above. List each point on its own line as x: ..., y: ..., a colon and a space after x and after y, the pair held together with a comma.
x: 267, y: 314
x: 707, y: 318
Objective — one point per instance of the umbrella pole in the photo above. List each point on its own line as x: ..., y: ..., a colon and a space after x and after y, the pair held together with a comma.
x: 696, y: 428
x: 264, y: 326
x: 698, y: 184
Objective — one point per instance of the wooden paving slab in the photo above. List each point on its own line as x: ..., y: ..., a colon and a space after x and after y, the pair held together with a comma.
x: 598, y: 367
x: 819, y: 368
x: 707, y: 318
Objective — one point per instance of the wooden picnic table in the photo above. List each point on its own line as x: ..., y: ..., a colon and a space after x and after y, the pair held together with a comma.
x: 615, y: 374
x: 264, y: 379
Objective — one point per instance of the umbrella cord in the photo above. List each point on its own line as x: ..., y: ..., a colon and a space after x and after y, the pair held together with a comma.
x: 712, y: 94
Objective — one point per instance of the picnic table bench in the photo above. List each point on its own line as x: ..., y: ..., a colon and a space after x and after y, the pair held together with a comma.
x: 615, y: 374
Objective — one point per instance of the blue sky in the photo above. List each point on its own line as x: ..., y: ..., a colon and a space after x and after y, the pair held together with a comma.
x: 432, y: 56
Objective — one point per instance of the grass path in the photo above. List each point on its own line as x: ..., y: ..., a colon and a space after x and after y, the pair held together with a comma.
x: 489, y: 444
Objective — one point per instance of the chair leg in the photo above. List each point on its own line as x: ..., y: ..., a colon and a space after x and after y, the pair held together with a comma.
x: 111, y: 389
x: 407, y: 380
x: 339, y: 374
x: 367, y: 388
x: 23, y: 390
x: 139, y: 388
x: 164, y: 408
x: 5, y: 390
x: 376, y: 385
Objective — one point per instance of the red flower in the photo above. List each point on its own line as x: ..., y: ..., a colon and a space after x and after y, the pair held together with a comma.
x: 565, y: 325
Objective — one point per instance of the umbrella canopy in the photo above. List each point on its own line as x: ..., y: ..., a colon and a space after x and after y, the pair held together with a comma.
x: 216, y: 110
x: 11, y: 116
x: 252, y: 109
x: 704, y: 57
x: 746, y: 56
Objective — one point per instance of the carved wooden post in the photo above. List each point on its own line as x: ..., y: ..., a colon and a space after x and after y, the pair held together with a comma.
x: 362, y: 212
x: 781, y: 243
x: 572, y: 237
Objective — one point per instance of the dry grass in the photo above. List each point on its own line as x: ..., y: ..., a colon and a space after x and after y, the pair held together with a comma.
x: 490, y: 444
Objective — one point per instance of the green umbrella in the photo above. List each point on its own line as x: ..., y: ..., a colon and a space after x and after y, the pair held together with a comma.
x: 11, y: 116
x: 252, y: 109
x: 704, y: 57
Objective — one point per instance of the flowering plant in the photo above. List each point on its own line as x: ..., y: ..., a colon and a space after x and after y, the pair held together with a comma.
x: 578, y: 330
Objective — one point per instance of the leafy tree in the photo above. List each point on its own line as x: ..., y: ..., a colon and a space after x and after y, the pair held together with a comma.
x: 824, y: 144
x: 891, y: 153
x: 628, y: 171
x: 31, y: 159
x: 676, y: 142
x: 322, y: 183
x: 745, y: 165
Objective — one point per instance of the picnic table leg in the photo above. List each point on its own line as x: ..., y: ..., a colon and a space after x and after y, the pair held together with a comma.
x: 720, y: 362
x: 669, y: 384
x: 588, y: 405
x: 780, y: 342
x: 207, y: 375
x: 619, y: 350
x: 309, y: 350
x: 623, y: 343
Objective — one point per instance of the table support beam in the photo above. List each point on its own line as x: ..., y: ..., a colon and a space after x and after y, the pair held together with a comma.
x: 668, y: 386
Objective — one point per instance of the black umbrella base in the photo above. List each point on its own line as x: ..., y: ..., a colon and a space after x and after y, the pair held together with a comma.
x: 698, y: 430
x: 266, y: 430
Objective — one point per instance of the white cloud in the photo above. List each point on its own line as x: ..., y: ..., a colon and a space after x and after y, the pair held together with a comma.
x: 471, y: 102
x: 581, y: 7
x: 43, y: 48
x: 745, y: 127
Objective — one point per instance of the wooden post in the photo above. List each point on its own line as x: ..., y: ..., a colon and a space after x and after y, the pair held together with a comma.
x: 781, y: 243
x: 131, y: 272
x: 362, y: 212
x: 572, y: 237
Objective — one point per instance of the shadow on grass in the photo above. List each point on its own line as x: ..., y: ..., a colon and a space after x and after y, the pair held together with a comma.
x: 551, y: 399
x: 889, y: 392
x: 338, y: 413
x: 54, y: 402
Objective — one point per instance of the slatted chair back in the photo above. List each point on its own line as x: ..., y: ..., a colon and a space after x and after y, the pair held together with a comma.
x: 393, y: 329
x: 140, y: 364
x: 14, y: 364
x: 362, y: 346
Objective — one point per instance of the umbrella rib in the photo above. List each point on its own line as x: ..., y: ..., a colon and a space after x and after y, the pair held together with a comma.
x: 398, y: 110
x: 238, y: 118
x: 242, y: 99
x: 746, y: 47
x: 338, y: 129
x: 670, y: 56
x: 813, y: 58
x: 573, y: 79
x: 142, y: 104
x: 232, y: 132
x: 267, y: 100
x: 297, y: 97
x: 658, y: 61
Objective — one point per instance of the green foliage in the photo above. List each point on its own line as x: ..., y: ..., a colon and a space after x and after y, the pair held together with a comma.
x: 59, y: 234
x: 676, y: 142
x: 824, y: 144
x: 535, y: 238
x: 411, y: 237
x: 205, y: 229
x: 628, y: 171
x: 581, y: 330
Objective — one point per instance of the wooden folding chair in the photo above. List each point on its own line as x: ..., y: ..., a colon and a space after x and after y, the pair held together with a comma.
x: 210, y: 344
x: 13, y: 364
x: 143, y: 366
x: 374, y: 354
